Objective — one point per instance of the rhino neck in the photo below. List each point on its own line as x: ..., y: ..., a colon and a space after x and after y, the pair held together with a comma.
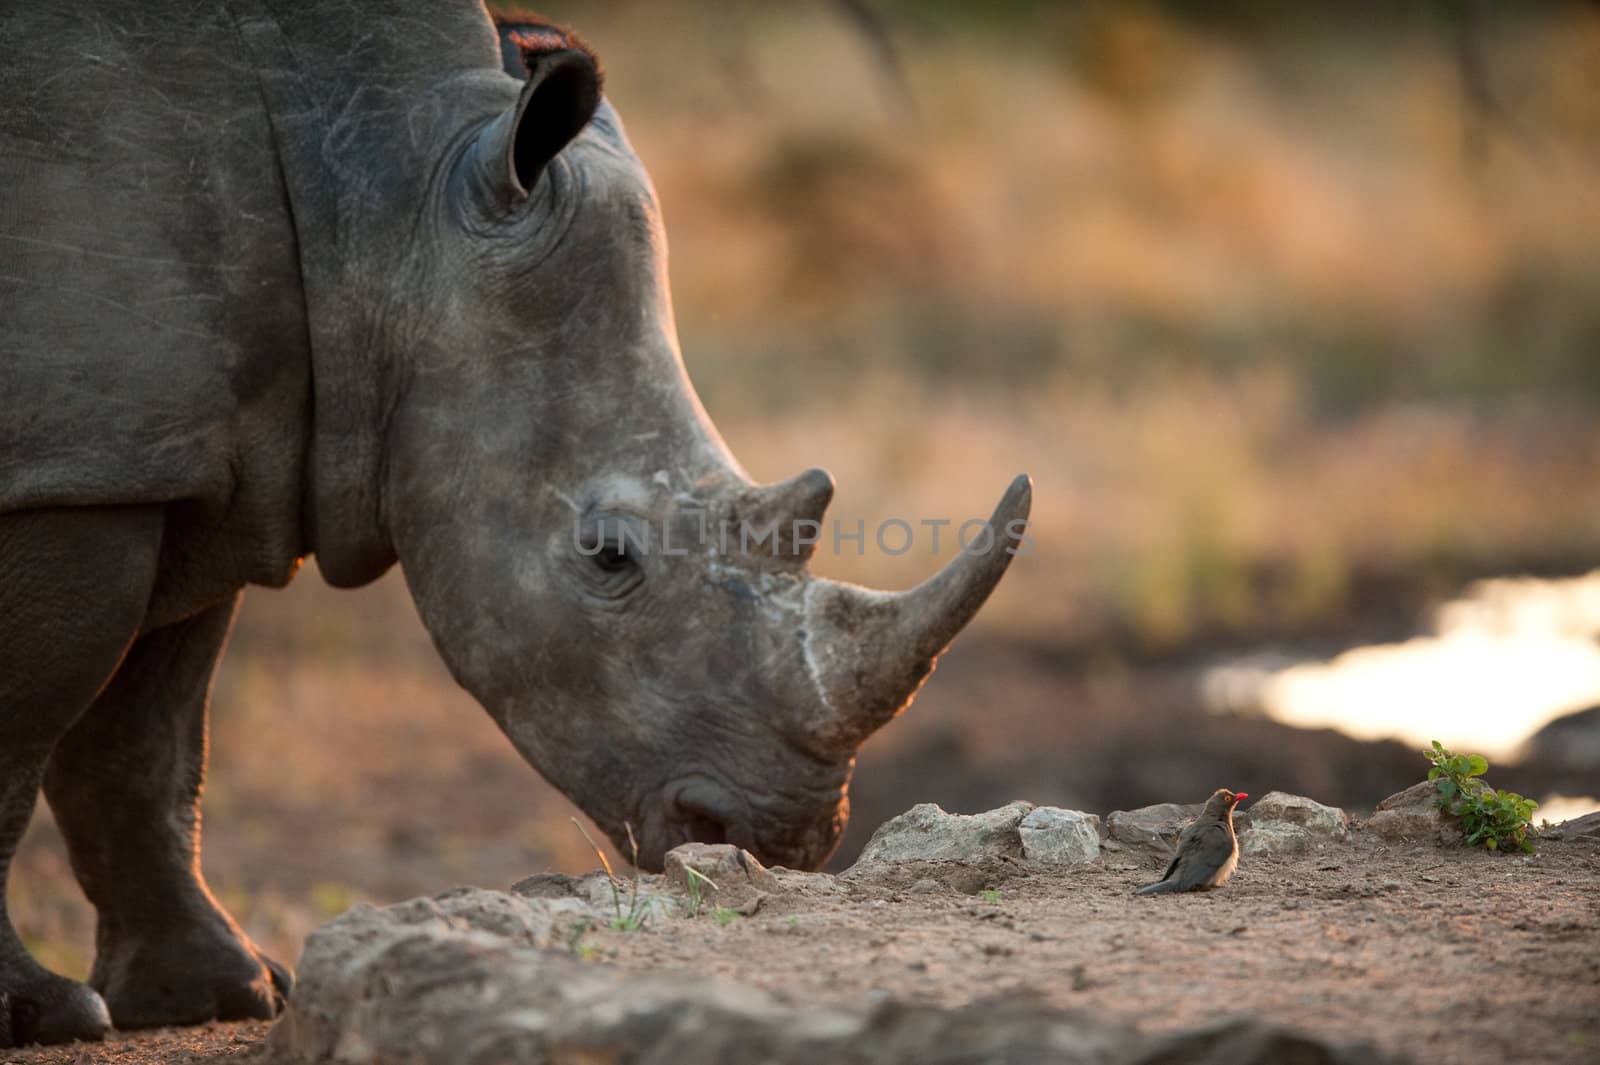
x: 357, y: 171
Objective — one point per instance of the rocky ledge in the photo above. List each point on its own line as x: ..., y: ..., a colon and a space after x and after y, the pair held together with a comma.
x: 475, y: 977
x: 472, y: 976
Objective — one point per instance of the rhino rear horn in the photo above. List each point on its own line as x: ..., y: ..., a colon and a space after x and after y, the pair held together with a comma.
x: 870, y: 651
x: 785, y: 519
x: 558, y: 99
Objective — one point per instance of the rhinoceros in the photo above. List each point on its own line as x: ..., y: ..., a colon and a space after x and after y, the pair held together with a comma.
x: 282, y: 278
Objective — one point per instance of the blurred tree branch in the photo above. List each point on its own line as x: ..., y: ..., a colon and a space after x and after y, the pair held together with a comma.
x: 874, y: 30
x: 1485, y: 110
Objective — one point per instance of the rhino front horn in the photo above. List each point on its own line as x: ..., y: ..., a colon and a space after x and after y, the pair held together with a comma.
x: 869, y: 651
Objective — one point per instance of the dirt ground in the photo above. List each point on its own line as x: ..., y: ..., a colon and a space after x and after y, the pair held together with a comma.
x: 1448, y: 956
x: 347, y: 767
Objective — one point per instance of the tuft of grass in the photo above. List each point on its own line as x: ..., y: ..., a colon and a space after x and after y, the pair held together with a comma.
x: 724, y: 915
x: 637, y: 912
x: 696, y: 895
x: 991, y: 896
x: 1499, y: 820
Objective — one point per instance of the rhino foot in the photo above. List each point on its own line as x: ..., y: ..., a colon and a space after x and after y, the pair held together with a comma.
x: 204, y: 973
x: 46, y: 1008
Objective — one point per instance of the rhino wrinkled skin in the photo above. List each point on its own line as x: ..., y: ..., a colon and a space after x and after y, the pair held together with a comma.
x: 293, y: 277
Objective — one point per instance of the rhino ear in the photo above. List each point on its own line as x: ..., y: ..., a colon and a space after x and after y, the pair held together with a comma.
x: 558, y: 99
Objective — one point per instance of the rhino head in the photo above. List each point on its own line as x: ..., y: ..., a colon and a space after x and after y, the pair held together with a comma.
x: 594, y: 566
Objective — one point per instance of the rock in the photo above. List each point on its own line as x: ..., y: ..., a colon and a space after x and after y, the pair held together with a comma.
x: 598, y: 894
x: 526, y: 921
x: 1233, y: 1041
x: 404, y: 949
x: 927, y: 833
x: 1326, y: 821
x: 1570, y: 742
x: 794, y: 882
x: 1061, y: 837
x: 550, y: 886
x: 605, y: 894
x: 1281, y: 823
x: 887, y: 879
x: 1411, y: 815
x: 738, y: 880
x: 1585, y: 827
x: 465, y: 979
x: 1274, y: 837
x: 1152, y: 826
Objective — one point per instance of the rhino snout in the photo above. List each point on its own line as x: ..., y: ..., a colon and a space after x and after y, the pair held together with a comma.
x: 795, y: 833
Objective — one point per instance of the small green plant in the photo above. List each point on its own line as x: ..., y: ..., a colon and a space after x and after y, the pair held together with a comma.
x: 1497, y: 819
x: 575, y: 943
x: 638, y: 912
x: 696, y: 895
x: 991, y: 896
x: 332, y: 898
x: 724, y: 915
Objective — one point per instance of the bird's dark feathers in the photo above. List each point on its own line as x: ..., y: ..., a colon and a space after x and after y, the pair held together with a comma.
x: 1207, y: 851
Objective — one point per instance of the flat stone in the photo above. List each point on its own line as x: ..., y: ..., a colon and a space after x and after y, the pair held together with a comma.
x: 1060, y: 837
x: 927, y: 833
x: 737, y: 878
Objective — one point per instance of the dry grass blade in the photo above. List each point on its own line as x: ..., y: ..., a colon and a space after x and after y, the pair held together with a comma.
x: 598, y: 853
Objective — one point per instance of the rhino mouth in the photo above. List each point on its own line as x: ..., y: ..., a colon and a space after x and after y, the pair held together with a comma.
x: 695, y: 808
x: 704, y: 811
x: 699, y: 808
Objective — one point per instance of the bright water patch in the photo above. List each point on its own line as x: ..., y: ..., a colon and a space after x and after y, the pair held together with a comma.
x: 1503, y: 661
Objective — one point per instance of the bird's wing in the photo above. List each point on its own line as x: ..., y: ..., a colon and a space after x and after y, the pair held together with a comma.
x: 1202, y: 850
x: 1183, y: 842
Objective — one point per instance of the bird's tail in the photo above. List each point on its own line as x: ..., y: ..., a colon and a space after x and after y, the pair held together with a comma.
x: 1160, y: 887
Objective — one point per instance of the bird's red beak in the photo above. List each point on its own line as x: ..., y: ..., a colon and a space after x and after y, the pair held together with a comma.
x: 1240, y: 796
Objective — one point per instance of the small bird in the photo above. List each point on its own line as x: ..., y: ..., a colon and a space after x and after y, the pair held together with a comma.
x: 1208, y: 851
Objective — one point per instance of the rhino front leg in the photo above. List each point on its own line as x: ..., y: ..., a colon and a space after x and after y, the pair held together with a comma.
x: 74, y: 585
x: 125, y: 787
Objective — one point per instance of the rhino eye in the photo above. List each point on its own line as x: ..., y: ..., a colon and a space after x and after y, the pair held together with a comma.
x: 612, y: 558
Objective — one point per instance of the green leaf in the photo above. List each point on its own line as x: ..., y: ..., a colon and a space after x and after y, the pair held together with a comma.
x: 1492, y: 843
x: 1480, y: 766
x: 1447, y: 788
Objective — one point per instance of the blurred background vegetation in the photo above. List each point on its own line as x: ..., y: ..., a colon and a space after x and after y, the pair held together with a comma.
x: 1293, y: 314
x: 1266, y: 300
